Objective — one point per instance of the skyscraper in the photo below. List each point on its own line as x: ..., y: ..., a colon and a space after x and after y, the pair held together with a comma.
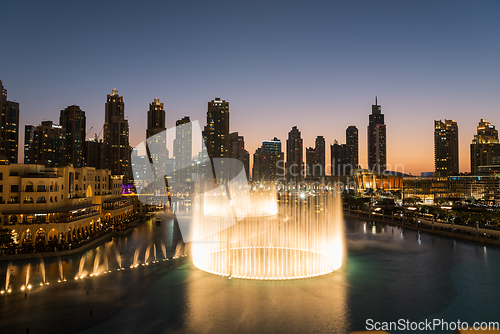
x: 73, y: 120
x: 157, y: 146
x: 183, y: 149
x: 485, y: 147
x: 377, y: 155
x: 9, y: 127
x: 319, y: 158
x: 217, y: 130
x: 338, y: 158
x: 49, y: 145
x: 94, y: 153
x: 267, y: 158
x: 294, y: 157
x: 446, y: 147
x: 116, y: 136
x: 237, y: 150
x: 352, y: 147
x: 310, y: 160
x: 29, y: 133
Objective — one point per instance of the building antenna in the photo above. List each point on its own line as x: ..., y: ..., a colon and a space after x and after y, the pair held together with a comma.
x: 376, y: 101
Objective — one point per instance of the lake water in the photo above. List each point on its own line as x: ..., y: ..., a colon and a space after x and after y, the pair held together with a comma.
x: 389, y: 274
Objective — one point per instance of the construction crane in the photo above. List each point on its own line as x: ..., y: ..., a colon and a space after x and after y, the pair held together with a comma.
x: 87, y: 135
x: 98, y: 135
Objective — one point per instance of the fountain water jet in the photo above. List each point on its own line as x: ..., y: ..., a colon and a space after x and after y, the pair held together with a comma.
x: 97, y: 258
x: 7, y: 277
x: 154, y: 251
x: 118, y: 258
x: 146, y: 255
x: 179, y: 249
x: 80, y: 268
x: 301, y: 237
x: 28, y: 267
x: 42, y: 270
x: 61, y: 273
x: 164, y: 251
x: 106, y: 264
x: 135, y: 262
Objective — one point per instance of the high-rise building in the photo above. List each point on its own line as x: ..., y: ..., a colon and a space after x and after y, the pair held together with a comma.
x: 446, y: 147
x: 237, y: 151
x: 344, y: 157
x: 310, y: 161
x: 294, y: 157
x: 352, y: 147
x: 485, y: 147
x: 183, y: 150
x: 9, y: 127
x: 29, y: 133
x: 49, y: 145
x: 377, y: 154
x: 217, y: 130
x: 338, y: 158
x: 319, y: 158
x: 74, y: 121
x: 94, y: 148
x: 257, y: 165
x: 116, y: 137
x: 267, y: 160
x: 157, y: 146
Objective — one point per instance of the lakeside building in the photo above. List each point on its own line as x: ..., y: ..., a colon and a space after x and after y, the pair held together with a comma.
x: 42, y: 205
x: 484, y: 187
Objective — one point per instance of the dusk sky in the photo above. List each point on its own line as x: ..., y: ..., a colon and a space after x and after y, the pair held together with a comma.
x: 317, y: 65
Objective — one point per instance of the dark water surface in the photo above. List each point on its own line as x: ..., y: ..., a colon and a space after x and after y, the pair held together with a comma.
x: 389, y: 274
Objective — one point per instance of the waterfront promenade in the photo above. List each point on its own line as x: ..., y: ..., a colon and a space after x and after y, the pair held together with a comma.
x: 483, y: 235
x: 84, y: 245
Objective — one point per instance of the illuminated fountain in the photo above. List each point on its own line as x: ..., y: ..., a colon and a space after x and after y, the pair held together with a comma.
x: 7, y: 280
x: 146, y: 255
x: 135, y: 261
x: 118, y: 258
x: 164, y: 251
x: 61, y: 271
x: 42, y: 271
x: 28, y: 267
x: 293, y: 238
x: 81, y: 273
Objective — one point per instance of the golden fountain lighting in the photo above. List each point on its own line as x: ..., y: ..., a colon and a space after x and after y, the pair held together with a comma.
x: 277, y: 240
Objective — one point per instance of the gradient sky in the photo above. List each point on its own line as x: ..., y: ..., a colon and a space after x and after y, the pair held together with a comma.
x: 317, y: 65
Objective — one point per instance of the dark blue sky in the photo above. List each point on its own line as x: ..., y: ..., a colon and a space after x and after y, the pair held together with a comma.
x: 317, y: 65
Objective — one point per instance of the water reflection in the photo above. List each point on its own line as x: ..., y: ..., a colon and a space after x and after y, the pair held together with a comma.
x: 216, y: 304
x: 106, y: 257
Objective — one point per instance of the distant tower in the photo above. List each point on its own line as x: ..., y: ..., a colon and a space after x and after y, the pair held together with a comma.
x: 156, y: 118
x: 49, y: 145
x: 74, y: 121
x: 294, y: 157
x: 446, y: 147
x: 237, y: 150
x: 485, y: 147
x: 29, y: 133
x: 157, y: 146
x: 338, y: 158
x: 183, y: 147
x: 9, y: 127
x: 217, y: 130
x: 377, y: 155
x: 319, y: 158
x: 116, y: 136
x: 352, y: 156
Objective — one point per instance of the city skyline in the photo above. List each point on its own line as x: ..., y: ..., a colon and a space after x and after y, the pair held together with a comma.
x: 424, y: 61
x: 396, y: 166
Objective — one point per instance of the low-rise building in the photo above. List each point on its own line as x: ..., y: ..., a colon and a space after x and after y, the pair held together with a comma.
x: 42, y: 204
